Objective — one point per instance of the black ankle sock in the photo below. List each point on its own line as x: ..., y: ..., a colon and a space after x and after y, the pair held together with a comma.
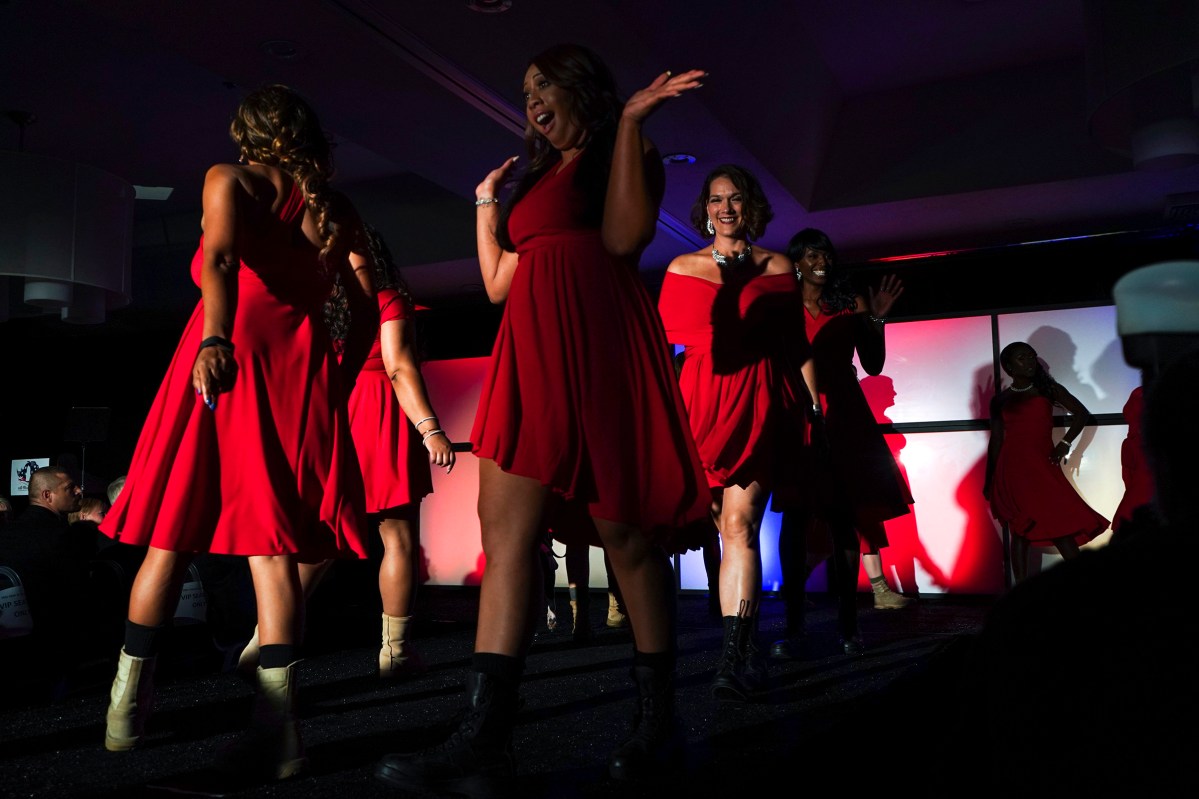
x: 658, y: 661
x: 141, y: 641
x: 503, y: 667
x: 278, y: 656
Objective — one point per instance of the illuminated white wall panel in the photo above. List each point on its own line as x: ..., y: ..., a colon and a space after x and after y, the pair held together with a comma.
x: 939, y: 368
x: 1082, y: 351
x: 937, y: 371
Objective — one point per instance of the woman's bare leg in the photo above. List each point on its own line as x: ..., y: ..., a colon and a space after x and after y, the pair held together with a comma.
x: 1067, y: 547
x: 1019, y: 558
x: 398, y: 572
x: 510, y: 597
x: 156, y: 588
x: 647, y: 586
x: 741, y: 562
x: 872, y: 562
x: 280, y: 598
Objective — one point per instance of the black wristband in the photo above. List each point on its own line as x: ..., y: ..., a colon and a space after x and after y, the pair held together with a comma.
x: 217, y: 341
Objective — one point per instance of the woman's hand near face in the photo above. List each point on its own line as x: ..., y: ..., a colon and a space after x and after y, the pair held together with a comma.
x: 647, y: 100
x: 490, y: 185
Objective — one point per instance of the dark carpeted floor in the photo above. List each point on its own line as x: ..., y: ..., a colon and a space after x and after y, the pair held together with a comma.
x: 578, y: 705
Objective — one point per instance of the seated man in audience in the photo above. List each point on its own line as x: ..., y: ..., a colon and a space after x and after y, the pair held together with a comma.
x: 53, y: 563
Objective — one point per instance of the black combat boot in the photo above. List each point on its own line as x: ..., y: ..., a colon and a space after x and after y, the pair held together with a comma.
x: 656, y: 736
x: 477, y: 760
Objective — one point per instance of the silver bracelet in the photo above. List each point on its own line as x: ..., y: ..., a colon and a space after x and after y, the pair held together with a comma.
x: 432, y: 432
x: 487, y: 201
x: 422, y: 421
x: 880, y: 320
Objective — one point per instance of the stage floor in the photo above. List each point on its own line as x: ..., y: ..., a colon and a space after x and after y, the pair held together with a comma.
x: 578, y: 701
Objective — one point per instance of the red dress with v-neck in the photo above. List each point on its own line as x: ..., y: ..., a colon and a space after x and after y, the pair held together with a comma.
x: 271, y: 470
x: 580, y: 393
x: 864, y: 474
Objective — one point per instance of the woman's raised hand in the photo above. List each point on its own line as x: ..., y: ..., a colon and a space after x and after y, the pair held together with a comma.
x: 667, y: 85
x: 888, y: 292
x: 490, y: 185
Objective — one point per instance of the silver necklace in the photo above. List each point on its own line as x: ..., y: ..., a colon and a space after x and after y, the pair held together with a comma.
x: 1026, y: 388
x: 723, y: 261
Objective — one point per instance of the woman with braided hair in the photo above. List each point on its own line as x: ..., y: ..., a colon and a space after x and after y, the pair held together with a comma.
x: 246, y: 449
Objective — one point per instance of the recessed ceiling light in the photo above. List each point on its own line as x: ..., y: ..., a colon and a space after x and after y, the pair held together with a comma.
x: 678, y: 158
x: 489, y: 6
x: 282, y: 49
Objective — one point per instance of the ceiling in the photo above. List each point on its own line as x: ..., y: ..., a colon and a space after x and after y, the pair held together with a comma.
x: 897, y: 127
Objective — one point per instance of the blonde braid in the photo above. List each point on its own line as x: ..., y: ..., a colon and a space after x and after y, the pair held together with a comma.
x: 275, y: 126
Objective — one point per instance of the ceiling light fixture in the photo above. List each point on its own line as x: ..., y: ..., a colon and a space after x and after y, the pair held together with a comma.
x: 678, y: 158
x: 489, y: 6
x: 65, y: 230
x: 281, y: 49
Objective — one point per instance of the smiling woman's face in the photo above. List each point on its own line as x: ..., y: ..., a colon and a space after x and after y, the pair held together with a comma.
x: 814, y: 265
x: 725, y: 204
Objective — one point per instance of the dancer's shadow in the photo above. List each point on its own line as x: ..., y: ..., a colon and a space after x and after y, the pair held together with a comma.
x: 904, y: 547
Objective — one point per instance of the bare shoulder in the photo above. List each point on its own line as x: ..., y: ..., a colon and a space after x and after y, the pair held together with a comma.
x: 695, y: 264
x: 775, y: 263
x: 222, y: 177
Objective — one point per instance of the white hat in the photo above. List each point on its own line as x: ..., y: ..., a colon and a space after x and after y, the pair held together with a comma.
x: 1159, y: 298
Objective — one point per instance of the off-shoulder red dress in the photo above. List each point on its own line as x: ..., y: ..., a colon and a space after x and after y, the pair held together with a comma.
x: 272, y: 469
x: 394, y: 461
x: 580, y: 393
x: 743, y: 349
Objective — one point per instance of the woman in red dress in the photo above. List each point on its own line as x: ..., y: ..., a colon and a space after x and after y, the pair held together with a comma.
x: 1134, y: 467
x: 736, y: 309
x: 397, y: 435
x: 1025, y: 484
x: 246, y: 447
x: 847, y: 498
x: 579, y: 412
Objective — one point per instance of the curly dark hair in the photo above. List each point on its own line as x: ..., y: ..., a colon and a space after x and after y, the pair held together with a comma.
x: 275, y: 126
x: 755, y: 208
x: 386, y: 276
x: 839, y: 293
x: 596, y: 106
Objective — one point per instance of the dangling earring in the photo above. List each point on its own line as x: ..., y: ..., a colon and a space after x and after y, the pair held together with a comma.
x: 241, y: 158
x: 711, y: 227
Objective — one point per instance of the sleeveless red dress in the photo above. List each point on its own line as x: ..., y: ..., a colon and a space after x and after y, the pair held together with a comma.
x: 394, y: 461
x: 272, y: 469
x: 1138, y: 480
x: 740, y: 370
x: 580, y: 393
x: 865, y: 475
x: 1030, y: 494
